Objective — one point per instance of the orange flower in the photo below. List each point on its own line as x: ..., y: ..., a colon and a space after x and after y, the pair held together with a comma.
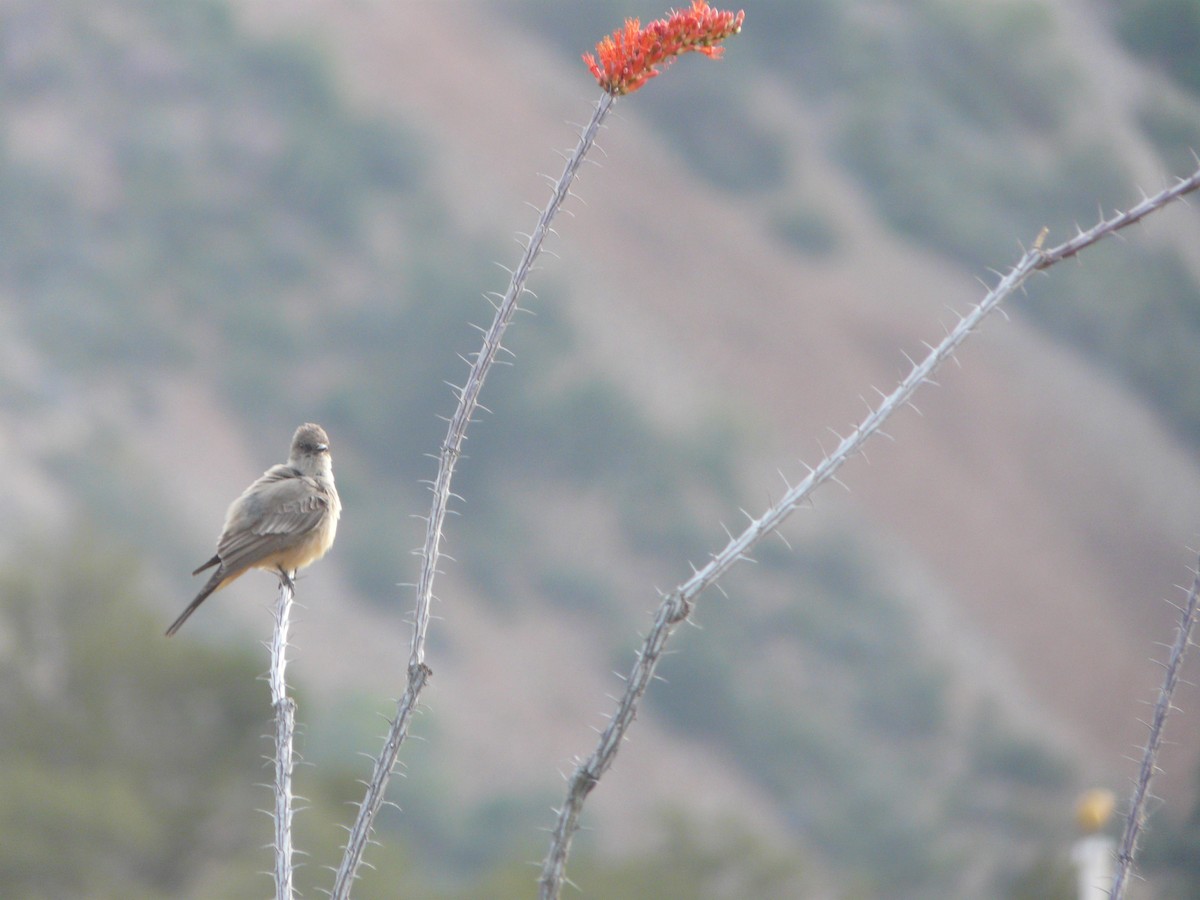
x: 629, y: 57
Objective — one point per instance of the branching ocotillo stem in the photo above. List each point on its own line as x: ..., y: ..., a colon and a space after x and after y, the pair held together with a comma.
x: 468, y: 401
x: 677, y: 605
x: 285, y: 726
x: 1149, y: 766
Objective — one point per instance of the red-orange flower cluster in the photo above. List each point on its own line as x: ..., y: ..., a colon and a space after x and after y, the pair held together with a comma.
x: 629, y: 57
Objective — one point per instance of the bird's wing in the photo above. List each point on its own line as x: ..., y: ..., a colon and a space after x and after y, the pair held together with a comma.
x: 277, y: 511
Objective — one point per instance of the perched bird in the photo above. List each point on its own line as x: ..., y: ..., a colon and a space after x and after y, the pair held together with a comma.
x: 284, y: 521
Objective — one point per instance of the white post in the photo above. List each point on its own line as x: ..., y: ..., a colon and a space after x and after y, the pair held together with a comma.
x: 1093, y: 859
x: 1093, y: 854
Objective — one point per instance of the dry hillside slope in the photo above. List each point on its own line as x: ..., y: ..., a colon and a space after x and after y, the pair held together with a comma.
x: 1041, y: 496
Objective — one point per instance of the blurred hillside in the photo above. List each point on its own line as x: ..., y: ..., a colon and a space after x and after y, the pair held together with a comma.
x: 223, y: 219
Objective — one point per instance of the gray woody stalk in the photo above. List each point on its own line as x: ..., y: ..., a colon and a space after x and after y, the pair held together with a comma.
x: 677, y: 605
x: 468, y: 401
x: 627, y: 60
x: 285, y: 726
x: 1136, y: 818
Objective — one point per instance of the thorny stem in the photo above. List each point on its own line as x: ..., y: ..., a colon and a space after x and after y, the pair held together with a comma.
x: 468, y: 394
x: 468, y: 401
x: 285, y: 726
x: 677, y: 605
x: 1149, y: 767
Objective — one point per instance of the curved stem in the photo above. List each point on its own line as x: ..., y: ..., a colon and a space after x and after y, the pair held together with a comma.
x: 1136, y: 819
x: 468, y: 401
x: 677, y: 605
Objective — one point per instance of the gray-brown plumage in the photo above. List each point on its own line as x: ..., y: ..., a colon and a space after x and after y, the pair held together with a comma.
x: 284, y: 521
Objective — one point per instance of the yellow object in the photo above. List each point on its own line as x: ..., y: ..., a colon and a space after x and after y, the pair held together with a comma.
x: 1094, y: 809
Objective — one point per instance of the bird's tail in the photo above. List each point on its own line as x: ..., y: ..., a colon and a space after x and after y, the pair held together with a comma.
x: 218, y: 577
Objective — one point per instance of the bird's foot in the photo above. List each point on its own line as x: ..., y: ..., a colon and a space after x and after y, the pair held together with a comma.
x: 287, y: 579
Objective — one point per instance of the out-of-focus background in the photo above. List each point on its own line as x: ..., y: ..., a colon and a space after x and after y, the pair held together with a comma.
x: 221, y: 219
